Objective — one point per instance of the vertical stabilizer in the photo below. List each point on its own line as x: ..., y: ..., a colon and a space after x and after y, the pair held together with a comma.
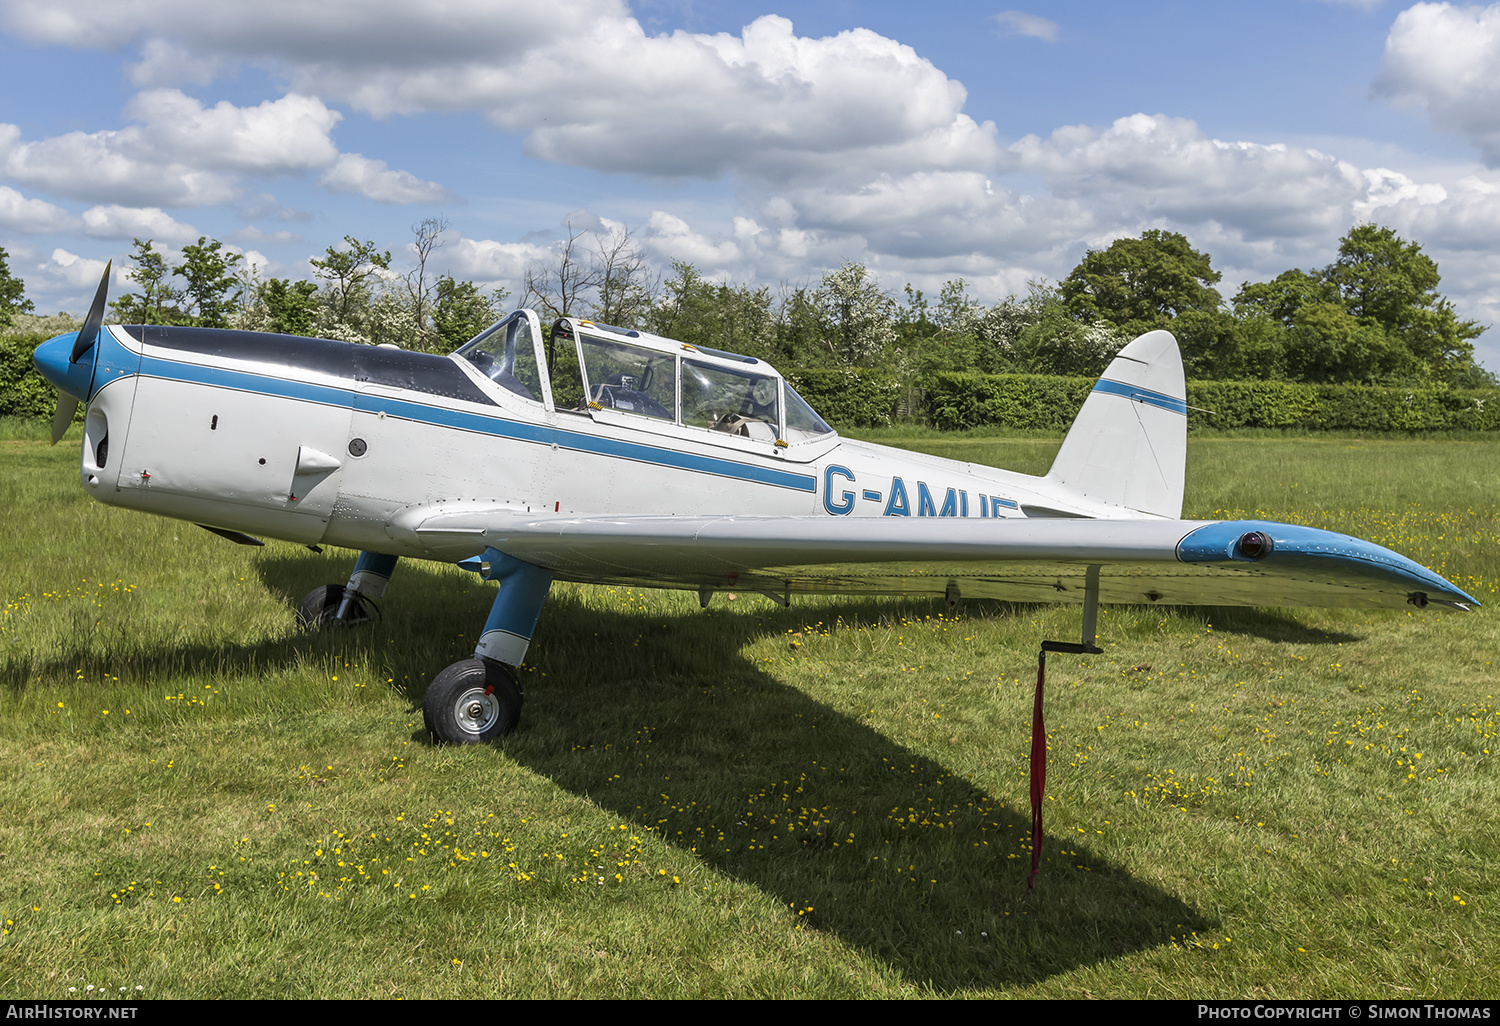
x: 1128, y: 446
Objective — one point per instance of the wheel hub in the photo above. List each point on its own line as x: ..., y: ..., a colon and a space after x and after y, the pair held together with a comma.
x: 475, y: 711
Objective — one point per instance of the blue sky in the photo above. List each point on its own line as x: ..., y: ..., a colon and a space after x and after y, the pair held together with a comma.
x: 761, y: 143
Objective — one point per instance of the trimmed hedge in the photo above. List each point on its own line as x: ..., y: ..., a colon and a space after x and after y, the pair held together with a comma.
x: 1342, y: 407
x: 957, y: 402
x: 24, y: 392
x: 850, y: 397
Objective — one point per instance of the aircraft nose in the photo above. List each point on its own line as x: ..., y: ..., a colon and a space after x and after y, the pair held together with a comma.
x: 52, y: 359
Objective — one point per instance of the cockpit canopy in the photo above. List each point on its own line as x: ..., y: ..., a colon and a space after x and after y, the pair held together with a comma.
x: 646, y: 376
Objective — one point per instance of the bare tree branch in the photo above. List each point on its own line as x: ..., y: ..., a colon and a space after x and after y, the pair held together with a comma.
x: 627, y: 286
x: 558, y: 287
x: 602, y: 274
x: 427, y: 236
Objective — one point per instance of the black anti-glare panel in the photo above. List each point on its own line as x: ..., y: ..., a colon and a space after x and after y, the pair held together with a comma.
x: 396, y: 368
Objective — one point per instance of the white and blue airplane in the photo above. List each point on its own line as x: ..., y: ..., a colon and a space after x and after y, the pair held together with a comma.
x: 609, y: 456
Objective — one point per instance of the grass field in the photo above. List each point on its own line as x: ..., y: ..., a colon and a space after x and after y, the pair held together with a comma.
x: 828, y: 800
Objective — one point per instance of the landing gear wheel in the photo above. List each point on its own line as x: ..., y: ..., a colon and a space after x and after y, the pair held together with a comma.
x: 471, y: 701
x: 320, y: 609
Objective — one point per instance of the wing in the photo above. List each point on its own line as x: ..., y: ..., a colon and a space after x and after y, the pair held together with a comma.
x: 1173, y: 562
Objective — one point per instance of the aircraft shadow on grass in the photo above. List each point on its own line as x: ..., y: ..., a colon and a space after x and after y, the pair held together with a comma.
x: 765, y: 784
x: 1267, y: 624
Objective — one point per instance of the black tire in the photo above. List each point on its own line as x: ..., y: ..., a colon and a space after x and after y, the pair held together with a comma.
x: 320, y: 609
x: 472, y: 701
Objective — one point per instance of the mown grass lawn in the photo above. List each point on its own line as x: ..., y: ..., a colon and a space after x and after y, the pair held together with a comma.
x: 826, y: 800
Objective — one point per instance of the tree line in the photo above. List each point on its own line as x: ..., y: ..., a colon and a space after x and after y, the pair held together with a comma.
x: 1373, y: 316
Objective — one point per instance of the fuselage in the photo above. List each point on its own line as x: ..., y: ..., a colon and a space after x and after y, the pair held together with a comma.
x: 318, y: 441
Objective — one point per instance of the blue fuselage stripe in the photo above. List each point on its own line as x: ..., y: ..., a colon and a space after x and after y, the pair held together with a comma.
x: 328, y: 395
x: 1142, y: 395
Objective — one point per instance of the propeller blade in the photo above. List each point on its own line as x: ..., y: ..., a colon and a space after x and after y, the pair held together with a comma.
x: 90, y: 330
x: 66, y: 407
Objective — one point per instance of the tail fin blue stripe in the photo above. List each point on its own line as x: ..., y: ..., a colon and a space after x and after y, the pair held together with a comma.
x: 1142, y: 395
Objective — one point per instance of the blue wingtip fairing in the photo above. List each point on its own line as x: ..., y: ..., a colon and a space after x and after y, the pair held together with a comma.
x: 1249, y: 544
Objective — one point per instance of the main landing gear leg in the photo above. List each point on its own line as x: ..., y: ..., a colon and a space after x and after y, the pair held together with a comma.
x: 345, y: 605
x: 478, y: 699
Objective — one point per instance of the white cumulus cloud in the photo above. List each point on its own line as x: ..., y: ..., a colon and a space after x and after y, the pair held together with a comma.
x: 669, y: 238
x: 274, y: 137
x: 117, y: 222
x: 179, y: 153
x: 489, y: 261
x: 1162, y: 167
x: 167, y: 64
x: 107, y: 166
x: 1446, y: 59
x: 1258, y: 208
x: 74, y: 271
x: 767, y: 104
x: 357, y: 174
x: 33, y: 216
x: 849, y: 146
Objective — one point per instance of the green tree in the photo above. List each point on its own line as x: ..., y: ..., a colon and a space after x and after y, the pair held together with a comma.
x: 1156, y: 281
x: 1051, y: 340
x: 1141, y: 284
x: 1383, y: 280
x: 914, y: 317
x: 389, y: 318
x: 1329, y: 344
x: 1000, y: 329
x: 742, y: 321
x: 798, y: 327
x: 558, y: 288
x: 1395, y: 326
x: 685, y: 306
x: 943, y: 337
x: 461, y: 310
x: 1281, y: 298
x: 291, y: 306
x: 12, y: 293
x: 703, y: 312
x: 1472, y: 376
x: 856, y: 318
x: 209, y: 272
x: 956, y: 312
x: 158, y: 299
x: 347, y: 271
x: 1255, y: 348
